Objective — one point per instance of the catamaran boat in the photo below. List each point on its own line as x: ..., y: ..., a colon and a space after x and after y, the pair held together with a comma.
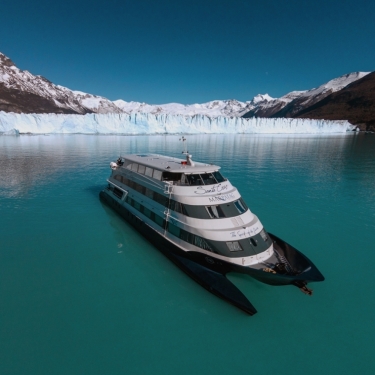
x: 198, y: 219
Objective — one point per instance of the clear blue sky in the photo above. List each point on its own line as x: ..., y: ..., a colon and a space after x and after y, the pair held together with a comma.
x: 189, y: 51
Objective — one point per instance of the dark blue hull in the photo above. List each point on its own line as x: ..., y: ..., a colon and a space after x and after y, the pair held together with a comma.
x: 210, y: 272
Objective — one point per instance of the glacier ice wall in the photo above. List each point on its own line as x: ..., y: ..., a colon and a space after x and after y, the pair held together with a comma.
x: 113, y: 123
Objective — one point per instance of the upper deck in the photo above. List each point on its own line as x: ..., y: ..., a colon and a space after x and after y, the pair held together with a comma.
x: 169, y: 164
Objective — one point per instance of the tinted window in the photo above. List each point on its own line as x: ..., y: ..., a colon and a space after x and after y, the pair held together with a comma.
x: 194, y: 179
x: 218, y: 176
x: 159, y: 220
x: 200, y: 242
x: 160, y: 199
x: 186, y: 236
x: 149, y: 193
x: 244, y: 204
x: 173, y: 229
x: 147, y: 212
x: 136, y: 205
x: 208, y: 179
x: 139, y: 188
x: 168, y: 176
x: 240, y: 207
x: 215, y: 212
x: 117, y: 192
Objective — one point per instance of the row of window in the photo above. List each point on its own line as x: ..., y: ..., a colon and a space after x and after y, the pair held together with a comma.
x: 214, y: 212
x: 173, y: 229
x: 157, y: 197
x: 147, y: 171
x: 233, y: 246
x: 182, y: 179
x: 204, y: 179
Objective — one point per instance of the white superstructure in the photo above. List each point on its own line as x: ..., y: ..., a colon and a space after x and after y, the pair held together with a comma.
x: 192, y: 205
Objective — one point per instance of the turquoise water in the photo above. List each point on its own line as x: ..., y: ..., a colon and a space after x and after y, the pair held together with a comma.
x: 82, y: 293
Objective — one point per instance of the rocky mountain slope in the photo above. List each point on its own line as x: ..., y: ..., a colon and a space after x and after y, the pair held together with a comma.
x: 294, y: 102
x: 355, y: 103
x: 22, y: 92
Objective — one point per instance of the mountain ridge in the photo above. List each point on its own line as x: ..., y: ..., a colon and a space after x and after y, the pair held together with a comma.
x: 23, y: 92
x: 355, y: 103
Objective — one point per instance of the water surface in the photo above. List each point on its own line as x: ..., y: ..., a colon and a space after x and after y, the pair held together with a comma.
x: 82, y: 293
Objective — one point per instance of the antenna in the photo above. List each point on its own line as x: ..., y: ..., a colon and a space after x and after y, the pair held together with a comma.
x: 186, y: 152
x: 183, y: 139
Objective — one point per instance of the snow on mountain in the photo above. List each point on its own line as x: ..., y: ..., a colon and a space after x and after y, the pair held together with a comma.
x: 23, y: 92
x: 296, y: 101
x: 21, y: 81
x: 258, y: 99
x: 147, y: 123
x: 213, y: 109
x: 331, y: 86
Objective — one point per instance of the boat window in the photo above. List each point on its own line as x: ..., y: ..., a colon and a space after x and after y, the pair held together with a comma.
x: 149, y: 193
x: 240, y: 206
x: 140, y: 188
x: 159, y: 220
x: 149, y: 172
x: 157, y: 174
x: 186, y: 236
x: 200, y: 242
x: 234, y: 246
x: 161, y: 199
x: 244, y: 204
x: 208, y: 178
x: 194, y: 179
x: 253, y: 241
x: 117, y: 192
x: 141, y: 169
x: 177, y: 207
x: 169, y: 176
x: 173, y: 229
x: 146, y: 212
x: 215, y: 212
x: 218, y: 176
x: 134, y: 167
x: 136, y: 205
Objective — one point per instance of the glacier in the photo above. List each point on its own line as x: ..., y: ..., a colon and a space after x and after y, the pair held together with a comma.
x: 147, y: 123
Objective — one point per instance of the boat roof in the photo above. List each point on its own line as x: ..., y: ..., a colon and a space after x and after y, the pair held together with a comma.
x: 170, y: 164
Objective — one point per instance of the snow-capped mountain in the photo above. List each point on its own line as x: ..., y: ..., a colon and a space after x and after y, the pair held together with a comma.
x: 355, y: 103
x: 294, y: 102
x: 213, y: 109
x: 21, y: 91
